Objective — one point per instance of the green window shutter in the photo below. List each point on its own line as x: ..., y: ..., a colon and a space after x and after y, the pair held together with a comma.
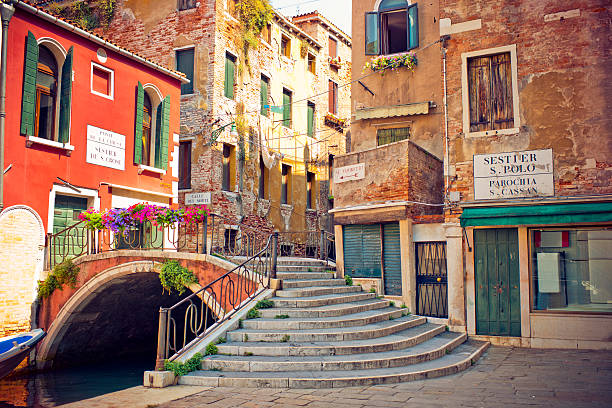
x: 28, y: 102
x: 138, y: 126
x: 310, y: 119
x: 66, y: 98
x: 263, y: 96
x: 158, y: 135
x: 165, y: 132
x: 372, y: 44
x: 287, y: 109
x: 229, y: 76
x: 413, y: 27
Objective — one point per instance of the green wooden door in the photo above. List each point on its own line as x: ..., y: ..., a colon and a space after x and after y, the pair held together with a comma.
x: 65, y: 214
x: 498, y: 308
x: 392, y: 259
x: 362, y: 250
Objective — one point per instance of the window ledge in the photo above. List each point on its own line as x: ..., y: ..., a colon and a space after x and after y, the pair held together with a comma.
x: 497, y: 132
x: 142, y: 168
x: 67, y: 147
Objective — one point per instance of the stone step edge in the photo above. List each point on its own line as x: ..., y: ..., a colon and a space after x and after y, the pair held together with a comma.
x: 399, y: 361
x: 315, y: 311
x: 339, y: 382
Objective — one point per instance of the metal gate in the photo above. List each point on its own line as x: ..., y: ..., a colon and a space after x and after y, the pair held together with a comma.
x: 432, y: 289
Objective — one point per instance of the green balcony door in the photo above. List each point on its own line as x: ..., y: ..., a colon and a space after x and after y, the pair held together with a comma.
x: 65, y: 214
x: 498, y: 307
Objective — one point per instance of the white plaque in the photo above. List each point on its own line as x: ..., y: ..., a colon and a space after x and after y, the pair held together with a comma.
x: 513, y: 175
x: 198, y: 198
x: 105, y: 148
x: 348, y: 173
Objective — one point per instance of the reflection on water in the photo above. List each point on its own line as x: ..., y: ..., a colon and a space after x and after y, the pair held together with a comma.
x: 52, y: 388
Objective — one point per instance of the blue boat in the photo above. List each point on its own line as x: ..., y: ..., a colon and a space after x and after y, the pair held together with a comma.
x: 13, y: 349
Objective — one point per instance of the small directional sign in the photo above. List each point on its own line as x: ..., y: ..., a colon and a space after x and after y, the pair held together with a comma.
x: 349, y: 173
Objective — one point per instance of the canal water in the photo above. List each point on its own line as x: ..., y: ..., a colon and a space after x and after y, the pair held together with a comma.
x: 57, y: 387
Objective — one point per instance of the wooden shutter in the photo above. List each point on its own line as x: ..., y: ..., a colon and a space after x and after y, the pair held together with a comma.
x: 65, y: 98
x: 501, y: 92
x: 372, y: 29
x: 479, y: 79
x: 185, y: 64
x: 138, y: 125
x: 165, y: 132
x: 310, y: 119
x: 332, y: 96
x: 333, y: 48
x: 263, y: 96
x: 28, y: 101
x: 413, y: 27
x: 287, y: 108
x: 229, y: 77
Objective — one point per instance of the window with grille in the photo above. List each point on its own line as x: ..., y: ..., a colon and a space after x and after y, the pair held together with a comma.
x: 386, y: 136
x: 186, y: 4
x: 490, y: 92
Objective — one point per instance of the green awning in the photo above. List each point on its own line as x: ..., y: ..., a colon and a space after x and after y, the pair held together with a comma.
x: 537, y: 214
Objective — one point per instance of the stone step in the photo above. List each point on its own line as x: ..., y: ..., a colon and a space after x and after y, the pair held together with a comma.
x: 306, y: 283
x: 304, y: 275
x: 303, y: 268
x: 400, y: 340
x: 459, y: 359
x: 356, y: 319
x: 368, y: 331
x: 316, y: 291
x: 321, y: 300
x: 327, y: 310
x: 434, y: 348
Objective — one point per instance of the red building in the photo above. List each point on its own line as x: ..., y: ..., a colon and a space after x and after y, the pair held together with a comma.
x: 88, y: 124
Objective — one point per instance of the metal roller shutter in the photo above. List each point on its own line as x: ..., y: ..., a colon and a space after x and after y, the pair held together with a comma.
x: 392, y: 259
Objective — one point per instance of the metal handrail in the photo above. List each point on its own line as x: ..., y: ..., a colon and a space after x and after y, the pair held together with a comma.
x: 220, y: 299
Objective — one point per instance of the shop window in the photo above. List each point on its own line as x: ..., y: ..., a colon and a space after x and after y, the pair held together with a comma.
x: 185, y: 64
x: 230, y: 240
x: 264, y: 95
x: 185, y: 165
x: 572, y: 269
x: 286, y: 46
x: 47, y: 91
x: 310, y: 190
x: 310, y: 119
x: 264, y: 175
x: 312, y: 64
x: 229, y: 167
x: 490, y: 92
x: 102, y: 81
x: 333, y: 97
x: 333, y: 47
x: 186, y: 4
x: 230, y: 75
x: 393, y: 28
x: 152, y: 127
x: 287, y: 104
x: 386, y: 136
x: 266, y: 33
x: 286, y: 184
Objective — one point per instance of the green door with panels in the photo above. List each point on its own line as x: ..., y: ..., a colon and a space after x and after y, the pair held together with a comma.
x: 392, y: 265
x: 362, y: 251
x: 65, y: 214
x: 498, y: 308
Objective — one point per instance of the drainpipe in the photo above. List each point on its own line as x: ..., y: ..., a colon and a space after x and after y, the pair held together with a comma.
x: 446, y: 155
x: 6, y: 12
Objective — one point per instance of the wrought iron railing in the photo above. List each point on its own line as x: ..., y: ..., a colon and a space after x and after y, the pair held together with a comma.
x: 184, y: 324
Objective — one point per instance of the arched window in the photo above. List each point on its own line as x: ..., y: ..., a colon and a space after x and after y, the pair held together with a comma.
x: 46, y: 94
x: 47, y: 90
x: 152, y: 127
x: 392, y: 28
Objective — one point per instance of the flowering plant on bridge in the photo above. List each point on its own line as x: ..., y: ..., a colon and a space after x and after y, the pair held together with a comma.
x: 383, y: 62
x: 119, y: 220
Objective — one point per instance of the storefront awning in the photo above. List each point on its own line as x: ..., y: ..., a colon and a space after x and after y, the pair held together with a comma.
x: 537, y: 214
x: 421, y: 108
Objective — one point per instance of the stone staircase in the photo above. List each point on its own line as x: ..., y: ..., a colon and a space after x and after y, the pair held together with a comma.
x: 322, y: 333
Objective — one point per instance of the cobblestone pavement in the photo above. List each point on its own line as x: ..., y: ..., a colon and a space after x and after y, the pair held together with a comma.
x: 503, y: 377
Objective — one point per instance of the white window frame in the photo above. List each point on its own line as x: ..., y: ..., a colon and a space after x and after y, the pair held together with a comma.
x: 93, y: 200
x: 112, y: 80
x: 465, y: 91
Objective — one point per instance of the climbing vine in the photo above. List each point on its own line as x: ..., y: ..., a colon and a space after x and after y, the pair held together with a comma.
x: 89, y: 14
x: 64, y: 273
x: 254, y: 16
x: 177, y: 277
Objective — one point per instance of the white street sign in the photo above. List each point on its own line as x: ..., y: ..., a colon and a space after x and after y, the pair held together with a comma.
x: 348, y: 173
x: 198, y: 198
x: 105, y: 148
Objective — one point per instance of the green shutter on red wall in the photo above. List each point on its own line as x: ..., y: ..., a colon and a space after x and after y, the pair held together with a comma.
x: 65, y: 98
x: 165, y: 131
x: 28, y: 101
x: 138, y: 127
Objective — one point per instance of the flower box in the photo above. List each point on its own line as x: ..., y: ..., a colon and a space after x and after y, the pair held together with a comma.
x: 392, y: 62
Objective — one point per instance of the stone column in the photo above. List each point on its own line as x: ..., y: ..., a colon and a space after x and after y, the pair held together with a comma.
x: 524, y: 258
x: 454, y: 263
x: 408, y: 265
x: 339, y: 251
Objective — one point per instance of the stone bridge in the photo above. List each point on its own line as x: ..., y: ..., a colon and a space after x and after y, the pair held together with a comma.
x: 114, y: 308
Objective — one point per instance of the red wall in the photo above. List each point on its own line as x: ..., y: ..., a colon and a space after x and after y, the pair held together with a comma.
x: 34, y: 169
